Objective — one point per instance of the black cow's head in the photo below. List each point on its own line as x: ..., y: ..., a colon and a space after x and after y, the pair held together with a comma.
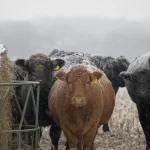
x: 96, y: 60
x: 138, y: 83
x: 112, y: 69
x: 123, y: 60
x: 40, y: 68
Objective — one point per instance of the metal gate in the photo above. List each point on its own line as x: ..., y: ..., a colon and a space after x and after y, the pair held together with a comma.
x: 23, y: 135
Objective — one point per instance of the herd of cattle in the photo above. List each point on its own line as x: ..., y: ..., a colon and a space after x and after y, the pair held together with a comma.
x: 77, y: 93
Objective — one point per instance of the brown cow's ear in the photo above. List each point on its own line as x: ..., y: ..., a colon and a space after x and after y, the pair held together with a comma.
x: 61, y: 75
x: 96, y: 76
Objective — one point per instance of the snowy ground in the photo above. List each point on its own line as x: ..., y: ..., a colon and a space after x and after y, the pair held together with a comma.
x: 125, y: 134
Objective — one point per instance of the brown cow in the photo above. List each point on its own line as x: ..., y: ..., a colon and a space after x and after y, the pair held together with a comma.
x: 80, y: 101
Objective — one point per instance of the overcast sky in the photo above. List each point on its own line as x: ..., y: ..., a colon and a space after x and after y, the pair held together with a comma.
x: 28, y: 9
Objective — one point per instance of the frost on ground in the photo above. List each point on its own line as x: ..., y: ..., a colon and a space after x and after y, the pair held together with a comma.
x: 125, y: 130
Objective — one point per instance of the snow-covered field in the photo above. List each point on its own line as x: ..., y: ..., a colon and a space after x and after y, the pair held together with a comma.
x: 125, y: 130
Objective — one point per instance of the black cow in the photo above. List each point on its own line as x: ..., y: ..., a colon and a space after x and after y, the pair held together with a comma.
x: 137, y: 81
x: 99, y: 60
x: 40, y: 68
x: 123, y: 60
x: 112, y: 68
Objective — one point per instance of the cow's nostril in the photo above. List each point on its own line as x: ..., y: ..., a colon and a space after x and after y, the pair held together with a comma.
x: 78, y: 100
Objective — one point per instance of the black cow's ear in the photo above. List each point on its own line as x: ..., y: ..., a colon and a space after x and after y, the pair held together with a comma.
x: 125, y: 75
x: 22, y: 63
x: 57, y: 64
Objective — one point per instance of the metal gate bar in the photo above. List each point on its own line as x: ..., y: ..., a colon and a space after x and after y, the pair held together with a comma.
x: 35, y: 105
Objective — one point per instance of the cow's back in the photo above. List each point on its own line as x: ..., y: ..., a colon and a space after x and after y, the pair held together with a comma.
x: 139, y: 62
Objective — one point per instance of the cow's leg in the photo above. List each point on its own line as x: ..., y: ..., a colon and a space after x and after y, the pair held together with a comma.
x: 88, y: 138
x: 67, y: 145
x: 40, y: 132
x: 79, y: 142
x: 70, y: 137
x: 55, y: 132
x: 144, y: 117
x: 105, y: 127
x: 116, y: 89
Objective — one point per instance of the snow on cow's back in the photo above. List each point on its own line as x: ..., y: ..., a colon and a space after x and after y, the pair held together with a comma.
x: 72, y: 58
x: 139, y: 62
x: 89, y: 67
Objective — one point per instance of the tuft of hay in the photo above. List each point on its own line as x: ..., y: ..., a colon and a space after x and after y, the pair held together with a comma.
x: 5, y: 112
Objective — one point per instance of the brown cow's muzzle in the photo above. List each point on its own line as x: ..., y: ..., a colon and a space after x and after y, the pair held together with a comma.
x: 78, y: 101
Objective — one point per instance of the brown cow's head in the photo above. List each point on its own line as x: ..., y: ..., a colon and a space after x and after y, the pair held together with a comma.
x: 79, y: 82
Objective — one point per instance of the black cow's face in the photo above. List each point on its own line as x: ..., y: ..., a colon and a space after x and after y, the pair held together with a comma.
x: 138, y: 84
x: 112, y: 69
x: 40, y: 68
